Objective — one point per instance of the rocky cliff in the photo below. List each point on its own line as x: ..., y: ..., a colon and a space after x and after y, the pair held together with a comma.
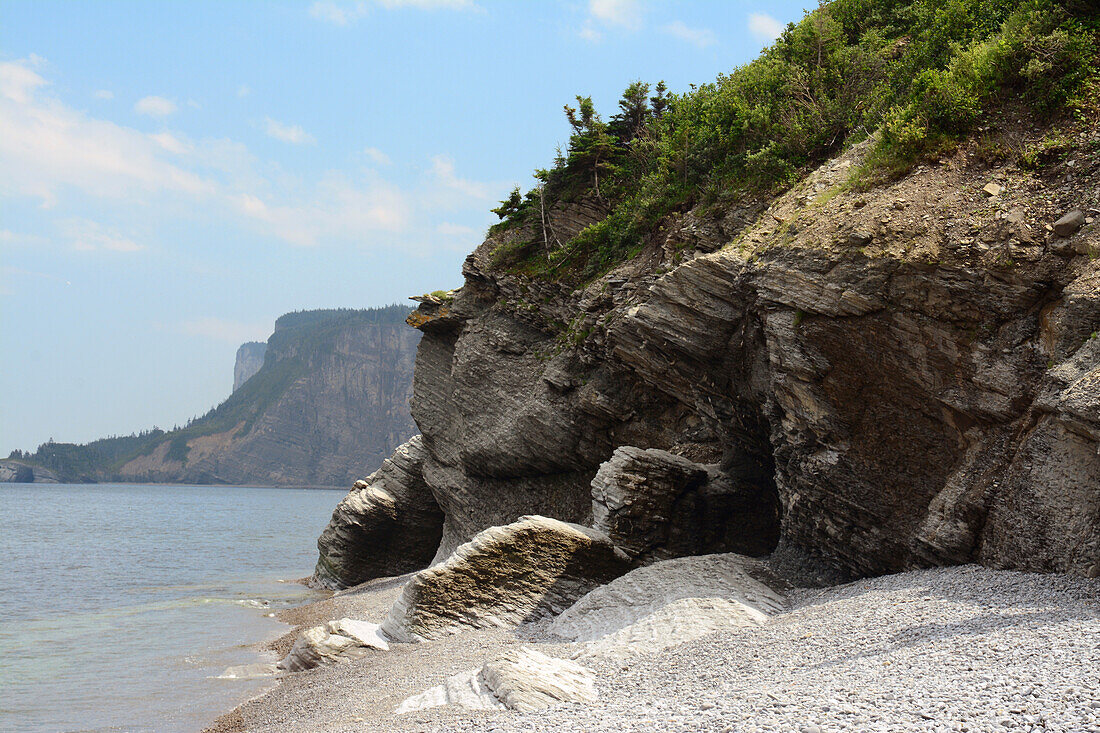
x: 858, y: 382
x: 250, y: 357
x: 328, y: 404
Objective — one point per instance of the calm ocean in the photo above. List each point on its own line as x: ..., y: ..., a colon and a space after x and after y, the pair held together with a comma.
x: 120, y: 605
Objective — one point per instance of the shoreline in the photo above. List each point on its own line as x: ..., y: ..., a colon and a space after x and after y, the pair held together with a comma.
x: 927, y: 650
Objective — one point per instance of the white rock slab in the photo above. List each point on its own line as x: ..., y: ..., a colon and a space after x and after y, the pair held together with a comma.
x: 465, y: 689
x: 522, y: 680
x: 525, y: 680
x: 667, y: 603
x: 332, y: 642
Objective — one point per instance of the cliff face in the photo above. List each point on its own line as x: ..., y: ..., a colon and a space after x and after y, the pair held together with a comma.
x: 328, y: 404
x: 864, y: 382
x: 250, y: 357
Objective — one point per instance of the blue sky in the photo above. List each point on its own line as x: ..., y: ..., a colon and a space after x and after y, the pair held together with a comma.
x: 176, y: 175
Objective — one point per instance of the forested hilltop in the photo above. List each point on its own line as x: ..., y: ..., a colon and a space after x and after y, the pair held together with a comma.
x: 328, y: 404
x: 917, y: 77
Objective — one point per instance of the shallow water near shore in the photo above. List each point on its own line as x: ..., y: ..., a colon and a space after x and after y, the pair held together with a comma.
x: 121, y: 604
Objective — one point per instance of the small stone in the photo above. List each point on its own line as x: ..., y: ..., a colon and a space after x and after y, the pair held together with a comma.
x: 1070, y: 223
x: 860, y: 238
x: 811, y: 729
x: 707, y: 706
x: 992, y: 189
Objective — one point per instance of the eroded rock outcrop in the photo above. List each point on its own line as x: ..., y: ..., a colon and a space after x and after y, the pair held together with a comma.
x: 872, y: 381
x: 524, y: 571
x: 654, y: 504
x: 387, y: 525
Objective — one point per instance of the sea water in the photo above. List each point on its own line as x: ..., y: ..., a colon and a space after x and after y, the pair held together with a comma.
x: 121, y: 605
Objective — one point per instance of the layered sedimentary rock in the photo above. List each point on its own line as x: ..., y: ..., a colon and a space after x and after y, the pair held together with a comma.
x: 521, y: 572
x: 655, y: 504
x: 868, y: 381
x: 387, y: 525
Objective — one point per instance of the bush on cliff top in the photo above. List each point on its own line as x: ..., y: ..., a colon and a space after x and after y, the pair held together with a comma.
x: 922, y: 72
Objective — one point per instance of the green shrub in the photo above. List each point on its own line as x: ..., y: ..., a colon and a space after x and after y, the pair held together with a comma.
x: 923, y: 73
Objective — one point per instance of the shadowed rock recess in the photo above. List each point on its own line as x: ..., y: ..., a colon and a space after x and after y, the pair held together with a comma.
x: 769, y: 382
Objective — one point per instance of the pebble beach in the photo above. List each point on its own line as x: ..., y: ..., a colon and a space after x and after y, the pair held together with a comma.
x: 951, y: 649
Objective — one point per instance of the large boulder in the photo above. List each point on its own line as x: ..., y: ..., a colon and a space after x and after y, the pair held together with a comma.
x: 388, y: 524
x: 525, y: 571
x: 333, y: 642
x: 654, y: 504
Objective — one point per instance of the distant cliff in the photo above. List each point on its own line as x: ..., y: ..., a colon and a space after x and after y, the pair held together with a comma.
x: 328, y: 404
x: 250, y: 357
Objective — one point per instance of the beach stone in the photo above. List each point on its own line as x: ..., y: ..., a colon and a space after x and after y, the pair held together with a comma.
x: 332, y: 642
x: 860, y: 238
x: 991, y: 189
x: 530, y: 569
x: 388, y: 524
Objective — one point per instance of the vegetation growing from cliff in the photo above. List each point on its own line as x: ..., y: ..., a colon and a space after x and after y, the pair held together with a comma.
x: 921, y: 73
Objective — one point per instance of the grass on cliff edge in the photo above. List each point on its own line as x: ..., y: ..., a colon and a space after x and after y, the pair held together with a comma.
x: 924, y: 73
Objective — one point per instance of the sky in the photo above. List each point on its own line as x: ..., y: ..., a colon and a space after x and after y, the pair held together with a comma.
x: 176, y: 175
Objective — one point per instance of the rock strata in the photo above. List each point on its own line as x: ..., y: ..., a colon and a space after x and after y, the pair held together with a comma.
x: 527, y: 570
x: 652, y: 503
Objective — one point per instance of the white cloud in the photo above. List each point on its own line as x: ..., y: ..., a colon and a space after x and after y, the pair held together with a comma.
x: 155, y: 106
x: 103, y: 94
x: 376, y: 156
x: 443, y: 168
x: 764, y: 27
x: 243, y: 90
x: 17, y: 82
x: 288, y: 133
x: 220, y: 329
x: 701, y: 37
x: 170, y: 142
x: 57, y: 154
x: 46, y: 146
x: 346, y: 13
x: 89, y: 236
x: 623, y: 13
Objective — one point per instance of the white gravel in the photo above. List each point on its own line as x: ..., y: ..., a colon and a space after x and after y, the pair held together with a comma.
x: 958, y: 649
